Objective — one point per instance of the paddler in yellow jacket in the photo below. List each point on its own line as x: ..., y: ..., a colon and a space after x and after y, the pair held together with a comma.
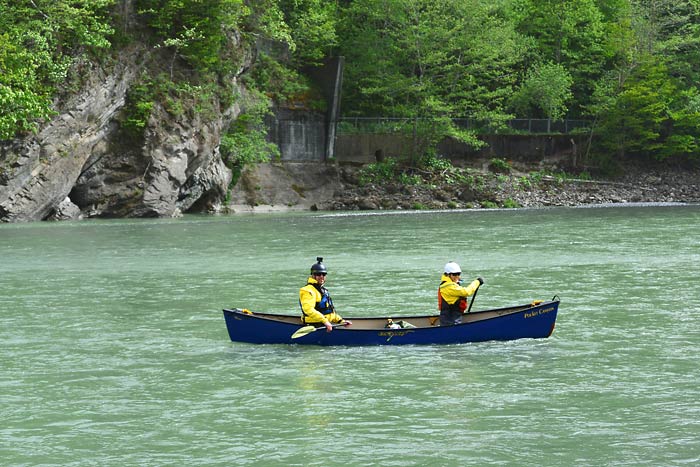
x: 452, y: 297
x: 315, y: 301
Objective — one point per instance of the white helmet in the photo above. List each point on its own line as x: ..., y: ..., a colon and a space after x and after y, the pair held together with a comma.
x: 452, y: 268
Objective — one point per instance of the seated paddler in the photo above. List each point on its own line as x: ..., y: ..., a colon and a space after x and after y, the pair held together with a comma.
x: 452, y: 297
x: 315, y: 301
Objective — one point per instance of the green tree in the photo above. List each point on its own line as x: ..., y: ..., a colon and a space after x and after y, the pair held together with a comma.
x: 434, y: 60
x: 636, y: 118
x: 39, y: 43
x: 196, y: 31
x: 545, y: 90
x: 671, y: 28
x: 313, y: 29
x: 23, y: 98
x: 683, y: 137
x: 571, y: 33
x: 266, y: 20
x: 245, y: 141
x: 646, y: 105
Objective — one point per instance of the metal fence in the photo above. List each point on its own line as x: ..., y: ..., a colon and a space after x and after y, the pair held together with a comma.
x: 352, y: 125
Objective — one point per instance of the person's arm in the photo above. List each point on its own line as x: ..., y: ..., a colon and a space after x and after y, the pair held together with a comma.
x: 340, y: 320
x: 453, y: 291
x: 471, y: 288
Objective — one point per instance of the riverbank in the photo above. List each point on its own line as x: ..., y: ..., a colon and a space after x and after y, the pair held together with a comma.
x: 277, y: 187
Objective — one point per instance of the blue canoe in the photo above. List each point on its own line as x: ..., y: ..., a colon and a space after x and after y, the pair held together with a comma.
x: 533, y: 320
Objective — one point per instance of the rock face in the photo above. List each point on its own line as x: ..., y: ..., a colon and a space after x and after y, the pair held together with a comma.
x: 283, y: 186
x: 65, y: 211
x: 177, y: 166
x: 40, y: 171
x: 82, y: 159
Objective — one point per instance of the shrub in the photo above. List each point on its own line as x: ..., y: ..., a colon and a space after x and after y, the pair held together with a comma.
x: 511, y: 203
x: 500, y: 165
x: 378, y: 172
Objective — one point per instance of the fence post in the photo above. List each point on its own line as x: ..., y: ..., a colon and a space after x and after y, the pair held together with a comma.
x: 415, y: 140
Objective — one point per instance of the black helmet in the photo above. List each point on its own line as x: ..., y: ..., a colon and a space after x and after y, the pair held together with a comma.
x: 318, y: 267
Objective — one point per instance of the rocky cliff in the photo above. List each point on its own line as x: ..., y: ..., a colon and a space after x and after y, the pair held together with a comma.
x: 81, y: 163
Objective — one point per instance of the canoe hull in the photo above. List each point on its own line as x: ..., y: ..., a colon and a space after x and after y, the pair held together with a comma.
x: 526, y: 321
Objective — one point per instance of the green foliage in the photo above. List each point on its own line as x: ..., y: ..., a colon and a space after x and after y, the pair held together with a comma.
x: 431, y: 162
x: 683, y: 139
x: 433, y: 61
x: 643, y: 106
x: 524, y: 183
x: 536, y: 177
x: 21, y: 110
x: 266, y: 19
x: 671, y: 29
x: 180, y: 99
x: 138, y: 107
x: 200, y: 100
x: 409, y: 179
x: 39, y: 41
x: 585, y: 175
x: 633, y: 120
x: 23, y: 99
x: 296, y: 34
x: 510, y: 203
x: 313, y: 29
x: 500, y: 165
x: 195, y: 30
x: 546, y: 89
x: 631, y: 66
x: 281, y: 83
x: 378, y: 172
x: 571, y: 34
x: 438, y: 60
x: 245, y: 141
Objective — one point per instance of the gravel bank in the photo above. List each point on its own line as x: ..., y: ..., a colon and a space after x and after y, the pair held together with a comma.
x: 288, y: 186
x: 488, y: 190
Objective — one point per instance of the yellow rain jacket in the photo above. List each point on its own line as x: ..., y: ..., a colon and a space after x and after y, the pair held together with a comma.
x: 316, y: 305
x: 450, y: 291
x: 452, y: 300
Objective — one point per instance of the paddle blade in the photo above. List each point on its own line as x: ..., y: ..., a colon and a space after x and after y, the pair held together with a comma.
x: 301, y: 332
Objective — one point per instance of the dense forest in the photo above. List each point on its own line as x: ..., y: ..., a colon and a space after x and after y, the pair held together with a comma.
x: 630, y: 67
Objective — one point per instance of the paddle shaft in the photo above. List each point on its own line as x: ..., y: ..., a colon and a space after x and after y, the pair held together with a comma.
x: 473, y: 298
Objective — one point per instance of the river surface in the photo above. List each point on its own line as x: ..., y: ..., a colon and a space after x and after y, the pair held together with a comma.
x: 115, y: 351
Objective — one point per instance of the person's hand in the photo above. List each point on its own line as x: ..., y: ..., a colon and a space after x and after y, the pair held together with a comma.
x: 347, y: 322
x: 481, y: 281
x: 328, y: 325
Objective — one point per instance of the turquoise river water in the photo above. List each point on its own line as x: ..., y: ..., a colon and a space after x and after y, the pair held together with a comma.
x: 115, y: 352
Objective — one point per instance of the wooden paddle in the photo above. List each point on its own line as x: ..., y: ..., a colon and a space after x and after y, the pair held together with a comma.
x: 301, y: 332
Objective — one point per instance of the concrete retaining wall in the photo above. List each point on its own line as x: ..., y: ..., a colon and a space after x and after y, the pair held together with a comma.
x: 371, y: 147
x: 303, y: 136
